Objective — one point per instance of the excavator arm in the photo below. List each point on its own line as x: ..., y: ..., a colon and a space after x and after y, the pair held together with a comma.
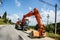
x: 38, y: 19
x: 27, y: 15
x: 37, y: 16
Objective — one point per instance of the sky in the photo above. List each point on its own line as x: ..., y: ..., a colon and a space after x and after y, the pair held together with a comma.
x: 17, y: 8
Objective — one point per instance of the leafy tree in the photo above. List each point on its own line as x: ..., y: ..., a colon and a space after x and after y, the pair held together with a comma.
x: 0, y: 16
x: 10, y: 21
x: 50, y: 28
x: 36, y: 27
x: 58, y: 28
x: 5, y: 17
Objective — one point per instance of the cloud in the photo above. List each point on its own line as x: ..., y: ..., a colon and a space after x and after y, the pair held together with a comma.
x: 30, y: 8
x: 44, y: 14
x: 51, y: 13
x: 0, y: 3
x: 13, y: 17
x: 58, y: 16
x: 18, y: 4
x: 32, y: 21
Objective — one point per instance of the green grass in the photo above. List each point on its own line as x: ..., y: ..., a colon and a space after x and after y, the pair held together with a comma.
x: 1, y: 21
x: 52, y: 35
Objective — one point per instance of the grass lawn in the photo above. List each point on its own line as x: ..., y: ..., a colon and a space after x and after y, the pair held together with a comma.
x: 1, y: 21
x: 52, y: 35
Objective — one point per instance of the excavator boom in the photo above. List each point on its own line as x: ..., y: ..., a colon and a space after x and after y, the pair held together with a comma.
x: 38, y: 19
x: 27, y: 15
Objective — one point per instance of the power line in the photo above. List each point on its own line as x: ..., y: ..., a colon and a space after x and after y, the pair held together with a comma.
x: 48, y: 3
x: 55, y: 6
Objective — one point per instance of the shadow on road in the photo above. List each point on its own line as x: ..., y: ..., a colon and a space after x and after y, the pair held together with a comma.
x: 20, y: 38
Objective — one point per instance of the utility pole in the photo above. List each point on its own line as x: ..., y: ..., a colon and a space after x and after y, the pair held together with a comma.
x: 55, y: 13
x: 55, y: 18
x: 47, y: 18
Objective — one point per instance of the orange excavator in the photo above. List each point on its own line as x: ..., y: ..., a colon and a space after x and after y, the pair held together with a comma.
x: 41, y: 30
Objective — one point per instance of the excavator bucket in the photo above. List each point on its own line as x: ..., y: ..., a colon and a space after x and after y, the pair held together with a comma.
x: 35, y: 34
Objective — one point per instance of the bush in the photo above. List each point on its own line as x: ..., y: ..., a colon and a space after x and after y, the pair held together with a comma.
x: 52, y: 35
x: 31, y: 27
x: 50, y: 28
x: 36, y: 27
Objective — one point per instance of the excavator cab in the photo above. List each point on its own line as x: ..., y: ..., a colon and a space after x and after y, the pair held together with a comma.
x: 25, y: 27
x: 20, y: 26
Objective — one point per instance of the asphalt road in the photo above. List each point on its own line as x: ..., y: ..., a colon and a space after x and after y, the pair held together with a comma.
x: 8, y: 32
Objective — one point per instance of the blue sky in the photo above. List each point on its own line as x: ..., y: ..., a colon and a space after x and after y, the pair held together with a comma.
x: 17, y: 8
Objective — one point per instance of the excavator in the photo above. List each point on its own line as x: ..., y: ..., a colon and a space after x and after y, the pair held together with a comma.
x: 41, y: 31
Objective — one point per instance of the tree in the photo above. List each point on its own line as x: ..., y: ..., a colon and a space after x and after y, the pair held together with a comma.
x: 10, y: 21
x: 50, y: 28
x: 58, y: 28
x: 0, y: 16
x: 36, y: 27
x: 5, y: 17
